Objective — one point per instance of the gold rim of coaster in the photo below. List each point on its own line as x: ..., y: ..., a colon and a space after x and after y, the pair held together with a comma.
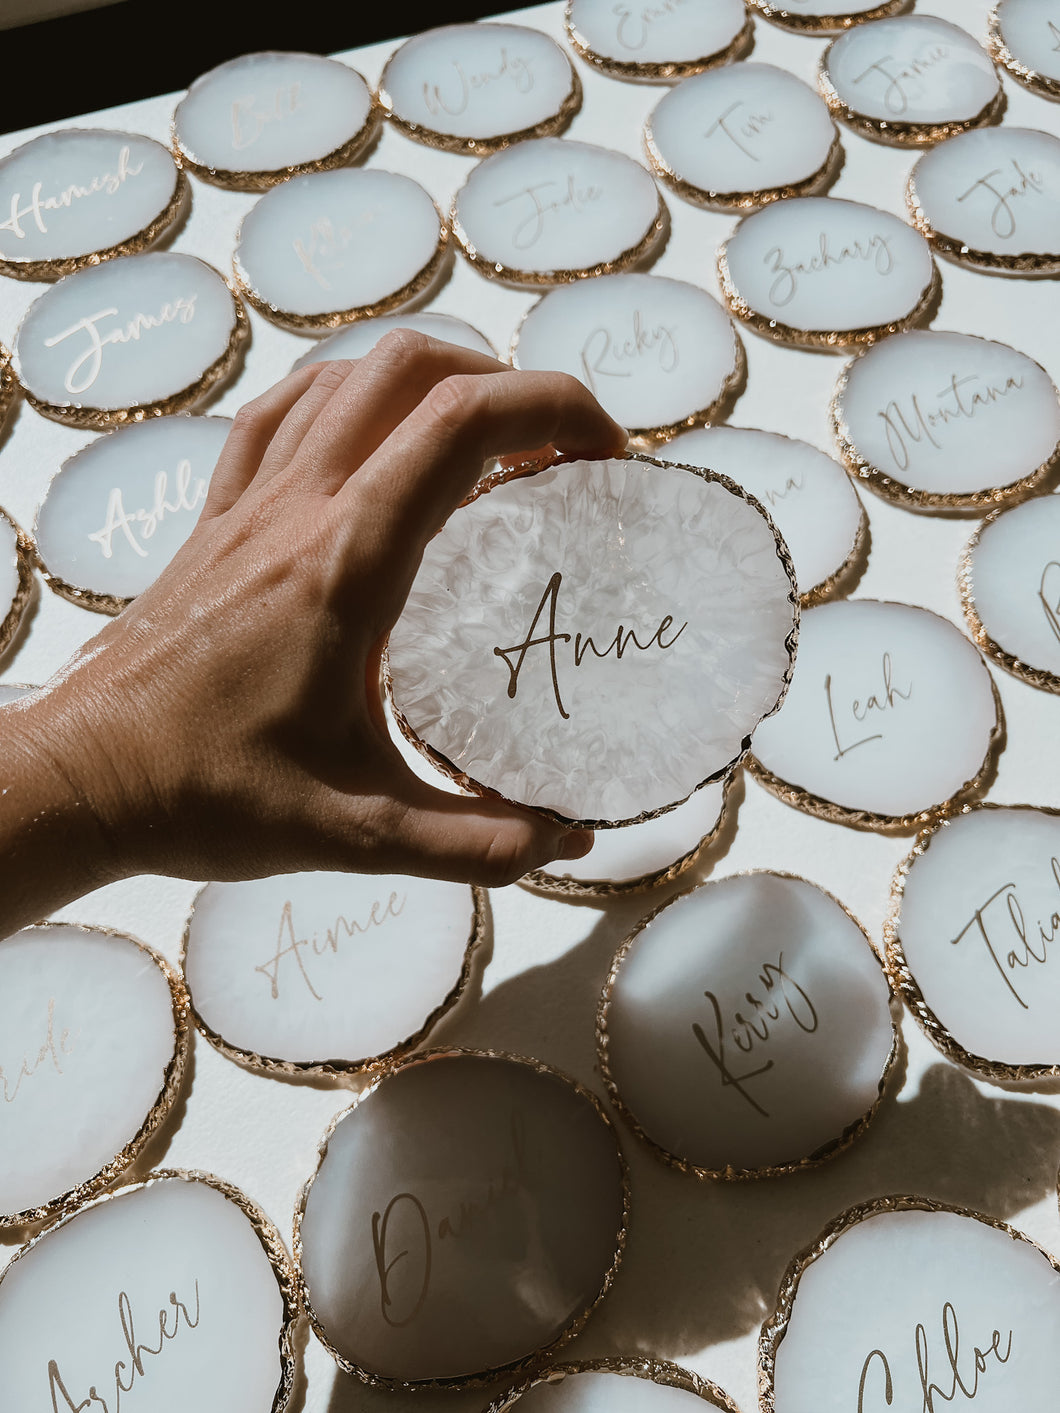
x: 342, y: 1069
x: 894, y: 1064
x: 513, y: 1367
x: 906, y: 986
x: 25, y: 559
x: 1030, y: 78
x: 9, y: 384
x: 987, y: 261
x: 825, y: 24
x: 665, y: 70
x: 68, y: 1203
x: 639, y: 1366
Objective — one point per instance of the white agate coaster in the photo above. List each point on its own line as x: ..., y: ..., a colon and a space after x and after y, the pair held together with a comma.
x: 658, y: 354
x: 81, y: 195
x: 356, y: 340
x: 614, y: 1386
x: 551, y: 211
x: 467, y: 1214
x: 324, y: 249
x: 130, y: 339
x: 826, y: 273
x: 327, y: 972
x: 567, y: 628
x: 910, y: 81
x: 475, y: 88
x: 902, y: 1299
x: 745, y: 1027
x: 117, y: 511
x: 656, y: 43
x: 1009, y: 580
x: 928, y: 419
x: 824, y: 16
x: 808, y: 494
x: 259, y: 119
x: 16, y: 577
x: 867, y: 734
x: 742, y: 136
x: 172, y: 1294
x: 93, y: 1042
x: 1024, y: 35
x: 991, y: 199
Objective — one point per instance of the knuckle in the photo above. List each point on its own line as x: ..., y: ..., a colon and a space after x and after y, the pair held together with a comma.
x: 503, y: 862
x: 458, y: 403
x: 330, y: 375
x: 402, y: 348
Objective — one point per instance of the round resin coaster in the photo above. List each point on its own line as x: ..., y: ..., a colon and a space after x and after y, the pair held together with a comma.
x: 16, y: 577
x: 658, y: 354
x: 931, y: 419
x: 117, y: 511
x: 809, y: 495
x: 745, y: 1027
x: 355, y: 340
x: 1024, y: 35
x: 477, y: 87
x: 93, y: 1042
x: 901, y: 1300
x: 1009, y: 580
x: 613, y: 1386
x: 467, y: 1214
x: 825, y: 16
x: 655, y: 43
x: 742, y: 136
x: 974, y: 910
x: 991, y: 199
x: 327, y: 972
x: 868, y: 734
x: 130, y: 339
x: 259, y: 119
x: 81, y: 195
x: 552, y: 211
x: 567, y: 628
x: 826, y: 273
x: 910, y: 81
x: 324, y: 249
x: 173, y: 1294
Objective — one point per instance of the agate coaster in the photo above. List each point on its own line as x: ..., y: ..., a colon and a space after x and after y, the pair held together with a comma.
x: 327, y: 973
x: 1009, y: 579
x: 1024, y: 35
x: 176, y: 1293
x: 324, y: 249
x: 475, y: 88
x: 81, y: 195
x: 659, y: 355
x: 974, y: 909
x: 991, y: 199
x: 809, y: 496
x: 467, y: 1215
x: 745, y: 1028
x: 16, y: 577
x: 355, y: 340
x: 927, y: 419
x: 901, y: 1296
x: 824, y: 273
x: 910, y: 81
x: 742, y: 136
x: 613, y: 1386
x: 130, y: 339
x: 869, y: 732
x: 93, y: 1043
x: 595, y: 613
x: 255, y: 121
x: 822, y: 17
x: 552, y: 211
x: 119, y: 509
x: 656, y: 43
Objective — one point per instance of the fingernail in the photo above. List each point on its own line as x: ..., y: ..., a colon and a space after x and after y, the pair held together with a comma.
x: 575, y: 844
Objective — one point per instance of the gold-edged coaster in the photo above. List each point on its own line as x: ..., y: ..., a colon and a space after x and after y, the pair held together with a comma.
x: 990, y: 199
x: 357, y: 339
x: 327, y: 973
x: 819, y: 272
x: 608, y: 619
x: 928, y: 419
x: 94, y: 1038
x: 8, y: 385
x: 164, y: 1292
x: 16, y: 577
x: 659, y: 355
x: 973, y: 914
x: 657, y: 43
x: 254, y: 121
x: 817, y: 17
x: 866, y: 734
x: 553, y: 210
x: 742, y: 136
x: 133, y: 338
x: 745, y: 1028
x: 457, y: 1181
x: 596, y: 1386
x: 910, y: 81
x: 475, y: 88
x: 901, y: 1299
x: 1024, y: 36
x: 327, y: 248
